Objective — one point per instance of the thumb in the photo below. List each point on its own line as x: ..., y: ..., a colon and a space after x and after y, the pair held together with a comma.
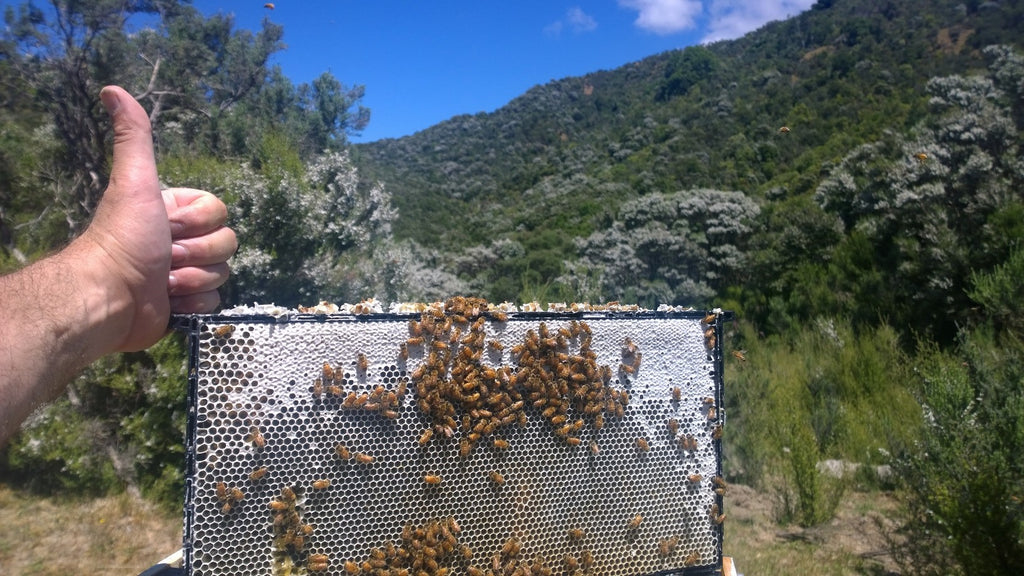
x: 133, y: 177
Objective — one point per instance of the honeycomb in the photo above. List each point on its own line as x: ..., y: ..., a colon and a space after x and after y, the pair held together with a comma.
x: 448, y: 443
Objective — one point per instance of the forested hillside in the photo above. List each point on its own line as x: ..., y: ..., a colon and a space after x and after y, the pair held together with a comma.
x: 849, y: 181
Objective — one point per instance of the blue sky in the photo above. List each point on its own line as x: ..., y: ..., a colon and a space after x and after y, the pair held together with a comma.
x: 425, y: 61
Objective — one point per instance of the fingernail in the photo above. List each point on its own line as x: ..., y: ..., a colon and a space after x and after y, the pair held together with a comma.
x: 172, y: 283
x: 178, y: 253
x: 110, y: 100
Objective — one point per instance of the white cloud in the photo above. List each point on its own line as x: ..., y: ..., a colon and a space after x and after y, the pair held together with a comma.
x: 579, y: 20
x: 575, y: 19
x: 664, y: 16
x: 734, y: 18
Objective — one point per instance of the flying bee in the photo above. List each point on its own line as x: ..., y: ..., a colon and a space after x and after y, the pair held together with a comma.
x: 641, y: 443
x: 224, y: 331
x: 363, y: 458
x: 497, y: 478
x: 432, y: 479
x: 342, y: 451
x: 321, y: 484
x: 739, y: 355
x: 258, y: 473
x: 635, y: 522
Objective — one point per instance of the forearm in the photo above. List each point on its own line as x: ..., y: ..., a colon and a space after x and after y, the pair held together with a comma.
x: 56, y: 316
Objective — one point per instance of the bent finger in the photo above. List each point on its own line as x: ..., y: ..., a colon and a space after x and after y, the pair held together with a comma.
x: 212, y: 248
x: 196, y: 279
x: 193, y: 212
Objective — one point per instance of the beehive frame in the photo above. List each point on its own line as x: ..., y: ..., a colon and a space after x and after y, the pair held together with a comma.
x: 283, y: 409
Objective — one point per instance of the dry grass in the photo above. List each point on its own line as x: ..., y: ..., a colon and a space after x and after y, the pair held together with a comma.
x: 124, y: 535
x: 853, y: 543
x: 111, y: 535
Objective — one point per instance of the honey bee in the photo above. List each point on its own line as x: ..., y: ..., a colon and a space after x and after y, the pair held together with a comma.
x: 718, y: 518
x: 709, y: 318
x: 691, y: 559
x: 278, y: 505
x: 716, y: 432
x: 287, y: 494
x: 327, y: 372
x: 694, y: 478
x: 594, y: 449
x: 256, y: 437
x: 511, y: 547
x: 317, y: 562
x: 415, y: 341
x: 363, y: 458
x: 497, y: 478
x: 642, y: 444
x: 432, y: 479
x: 335, y: 390
x: 474, y: 571
x: 688, y: 443
x: 222, y: 491
x: 586, y: 560
x: 351, y: 568
x: 576, y: 534
x: 224, y: 331
x: 739, y: 355
x: 673, y: 426
x: 501, y: 444
x: 712, y: 413
x: 571, y: 564
x: 237, y: 495
x: 342, y: 451
x: 677, y: 394
x: 573, y: 441
x: 635, y: 522
x: 453, y: 525
x: 627, y: 368
x: 720, y: 485
x: 599, y: 421
x: 403, y: 351
x: 711, y: 343
x: 426, y: 436
x: 321, y: 484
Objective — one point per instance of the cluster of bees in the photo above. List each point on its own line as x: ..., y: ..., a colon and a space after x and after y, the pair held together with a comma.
x: 427, y: 550
x: 456, y: 389
x: 228, y: 497
x: 331, y: 384
x: 454, y: 383
x: 290, y: 532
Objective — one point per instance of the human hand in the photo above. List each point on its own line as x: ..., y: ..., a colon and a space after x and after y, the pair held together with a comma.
x: 156, y: 251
